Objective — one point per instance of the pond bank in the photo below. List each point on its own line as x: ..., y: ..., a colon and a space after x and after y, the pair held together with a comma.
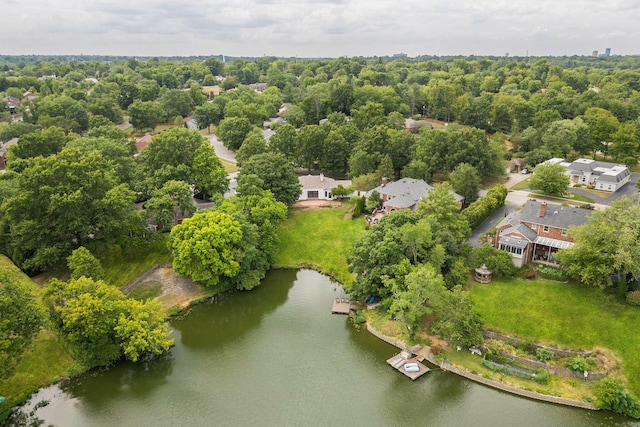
x: 426, y: 352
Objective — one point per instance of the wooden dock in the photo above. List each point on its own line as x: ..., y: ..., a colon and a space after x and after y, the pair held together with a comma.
x: 341, y: 306
x: 399, y: 360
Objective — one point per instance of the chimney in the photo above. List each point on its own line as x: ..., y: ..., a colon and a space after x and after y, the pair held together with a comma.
x: 543, y: 209
x: 384, y: 181
x: 321, y: 177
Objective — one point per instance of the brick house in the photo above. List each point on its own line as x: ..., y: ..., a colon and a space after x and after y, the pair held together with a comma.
x: 537, y: 231
x: 405, y: 193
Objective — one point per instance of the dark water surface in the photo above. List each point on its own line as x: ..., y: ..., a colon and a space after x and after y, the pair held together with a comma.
x: 276, y: 356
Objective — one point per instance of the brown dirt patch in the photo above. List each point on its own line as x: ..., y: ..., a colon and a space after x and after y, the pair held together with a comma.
x: 316, y: 203
x: 176, y: 290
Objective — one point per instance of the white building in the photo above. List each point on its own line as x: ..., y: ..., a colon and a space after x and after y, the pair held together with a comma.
x: 319, y: 187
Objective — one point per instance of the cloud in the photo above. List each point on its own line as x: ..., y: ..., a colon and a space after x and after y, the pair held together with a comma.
x: 318, y: 27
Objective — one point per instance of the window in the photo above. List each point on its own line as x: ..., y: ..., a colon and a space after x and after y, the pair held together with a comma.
x: 564, y: 232
x: 545, y: 228
x: 312, y: 194
x: 609, y: 187
x: 519, y: 252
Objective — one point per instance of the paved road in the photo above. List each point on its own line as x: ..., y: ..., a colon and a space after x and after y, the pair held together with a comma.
x: 223, y: 152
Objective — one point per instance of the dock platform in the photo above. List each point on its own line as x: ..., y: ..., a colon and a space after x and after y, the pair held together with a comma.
x: 341, y: 306
x: 399, y: 360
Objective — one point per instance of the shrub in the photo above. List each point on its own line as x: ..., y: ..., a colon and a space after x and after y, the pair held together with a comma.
x: 578, y: 364
x: 544, y: 354
x: 633, y: 297
x: 551, y: 273
x: 494, y: 366
x: 359, y: 209
x: 612, y: 395
x: 542, y: 376
x: 528, y: 347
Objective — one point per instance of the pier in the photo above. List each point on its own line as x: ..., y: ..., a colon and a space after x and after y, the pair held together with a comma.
x: 341, y: 306
x: 399, y: 360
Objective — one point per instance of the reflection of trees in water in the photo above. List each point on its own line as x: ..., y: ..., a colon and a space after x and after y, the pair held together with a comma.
x: 125, y: 379
x: 230, y: 315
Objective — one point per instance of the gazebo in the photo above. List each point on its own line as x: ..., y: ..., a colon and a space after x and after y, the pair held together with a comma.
x: 482, y: 274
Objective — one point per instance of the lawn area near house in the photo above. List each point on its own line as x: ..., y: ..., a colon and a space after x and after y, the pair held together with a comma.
x: 566, y: 314
x: 122, y: 269
x: 321, y: 239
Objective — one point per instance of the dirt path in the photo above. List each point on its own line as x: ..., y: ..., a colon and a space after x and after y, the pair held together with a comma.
x: 176, y: 291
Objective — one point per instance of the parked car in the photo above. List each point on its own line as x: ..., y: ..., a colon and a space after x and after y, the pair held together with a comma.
x: 524, y: 171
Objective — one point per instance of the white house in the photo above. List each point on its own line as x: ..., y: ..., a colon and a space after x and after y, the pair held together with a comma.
x: 319, y: 187
x: 604, y: 176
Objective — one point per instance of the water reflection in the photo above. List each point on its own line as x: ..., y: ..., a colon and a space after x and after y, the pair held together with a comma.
x: 237, y: 313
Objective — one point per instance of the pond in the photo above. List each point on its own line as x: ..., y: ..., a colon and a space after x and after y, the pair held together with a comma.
x: 277, y: 356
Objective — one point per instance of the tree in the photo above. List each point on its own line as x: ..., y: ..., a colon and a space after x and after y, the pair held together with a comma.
x: 22, y: 316
x: 456, y: 318
x: 45, y: 142
x: 499, y: 262
x: 466, y: 182
x: 208, y: 114
x: 442, y: 207
x: 550, y: 179
x: 65, y: 201
x: 284, y: 141
x: 176, y: 102
x: 209, y: 174
x: 278, y: 176
x: 208, y: 248
x: 233, y: 130
x: 101, y: 323
x: 609, y: 243
x: 409, y: 297
x: 310, y: 145
x: 625, y: 145
x: 145, y: 115
x: 173, y: 199
x: 253, y: 144
x: 612, y: 395
x: 81, y: 262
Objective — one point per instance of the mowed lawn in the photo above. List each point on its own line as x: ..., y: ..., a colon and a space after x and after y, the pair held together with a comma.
x: 571, y: 315
x: 319, y: 238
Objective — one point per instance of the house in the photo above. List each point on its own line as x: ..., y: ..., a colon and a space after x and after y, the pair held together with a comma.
x: 12, y: 103
x: 191, y: 123
x: 319, y: 187
x: 4, y: 149
x: 29, y: 95
x: 273, y: 121
x: 405, y: 194
x: 411, y: 125
x: 537, y: 231
x: 258, y: 87
x: 143, y: 141
x: 283, y: 108
x: 604, y: 176
x: 516, y: 165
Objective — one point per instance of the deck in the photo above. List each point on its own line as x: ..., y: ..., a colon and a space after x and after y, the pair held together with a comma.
x: 399, y: 360
x: 341, y: 306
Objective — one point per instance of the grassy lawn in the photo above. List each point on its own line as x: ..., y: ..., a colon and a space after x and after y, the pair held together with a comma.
x: 575, y: 199
x: 229, y: 166
x: 122, y: 270
x: 522, y: 185
x: 319, y: 238
x: 568, y: 314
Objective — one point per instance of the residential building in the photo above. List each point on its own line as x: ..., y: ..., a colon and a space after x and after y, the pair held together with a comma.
x: 319, y: 187
x: 537, y: 231
x: 405, y: 193
x: 603, y: 176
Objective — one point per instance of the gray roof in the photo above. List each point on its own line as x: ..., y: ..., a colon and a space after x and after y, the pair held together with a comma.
x: 514, y: 241
x: 528, y: 233
x: 316, y: 182
x: 408, y: 187
x: 555, y: 215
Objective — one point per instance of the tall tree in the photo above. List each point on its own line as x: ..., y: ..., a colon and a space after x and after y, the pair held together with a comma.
x: 277, y: 174
x: 550, y: 179
x: 233, y: 130
x: 466, y: 182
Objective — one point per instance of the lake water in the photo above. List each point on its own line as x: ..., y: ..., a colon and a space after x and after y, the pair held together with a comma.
x: 276, y: 356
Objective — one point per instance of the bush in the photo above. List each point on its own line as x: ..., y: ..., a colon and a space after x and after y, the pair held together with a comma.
x: 480, y: 210
x: 494, y: 366
x: 542, y: 376
x: 528, y: 347
x: 544, y: 354
x: 633, y: 298
x: 359, y: 209
x: 612, y: 395
x: 551, y: 273
x: 578, y: 364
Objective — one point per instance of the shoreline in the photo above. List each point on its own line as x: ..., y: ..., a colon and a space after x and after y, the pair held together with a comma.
x: 426, y: 352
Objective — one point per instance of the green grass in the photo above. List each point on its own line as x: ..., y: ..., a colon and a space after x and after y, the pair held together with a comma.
x: 321, y: 239
x: 564, y: 314
x: 44, y: 362
x: 122, y: 270
x: 522, y: 185
x: 229, y: 167
x: 146, y: 290
x: 575, y: 199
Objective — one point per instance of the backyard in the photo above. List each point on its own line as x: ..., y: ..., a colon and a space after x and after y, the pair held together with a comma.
x: 562, y: 314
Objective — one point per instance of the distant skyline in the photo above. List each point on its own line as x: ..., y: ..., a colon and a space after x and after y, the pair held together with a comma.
x: 311, y: 28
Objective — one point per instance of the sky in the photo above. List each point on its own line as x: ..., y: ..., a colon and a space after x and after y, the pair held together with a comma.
x: 313, y: 28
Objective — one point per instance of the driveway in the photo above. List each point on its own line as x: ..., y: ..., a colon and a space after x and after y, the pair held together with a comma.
x: 627, y: 190
x: 221, y: 151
